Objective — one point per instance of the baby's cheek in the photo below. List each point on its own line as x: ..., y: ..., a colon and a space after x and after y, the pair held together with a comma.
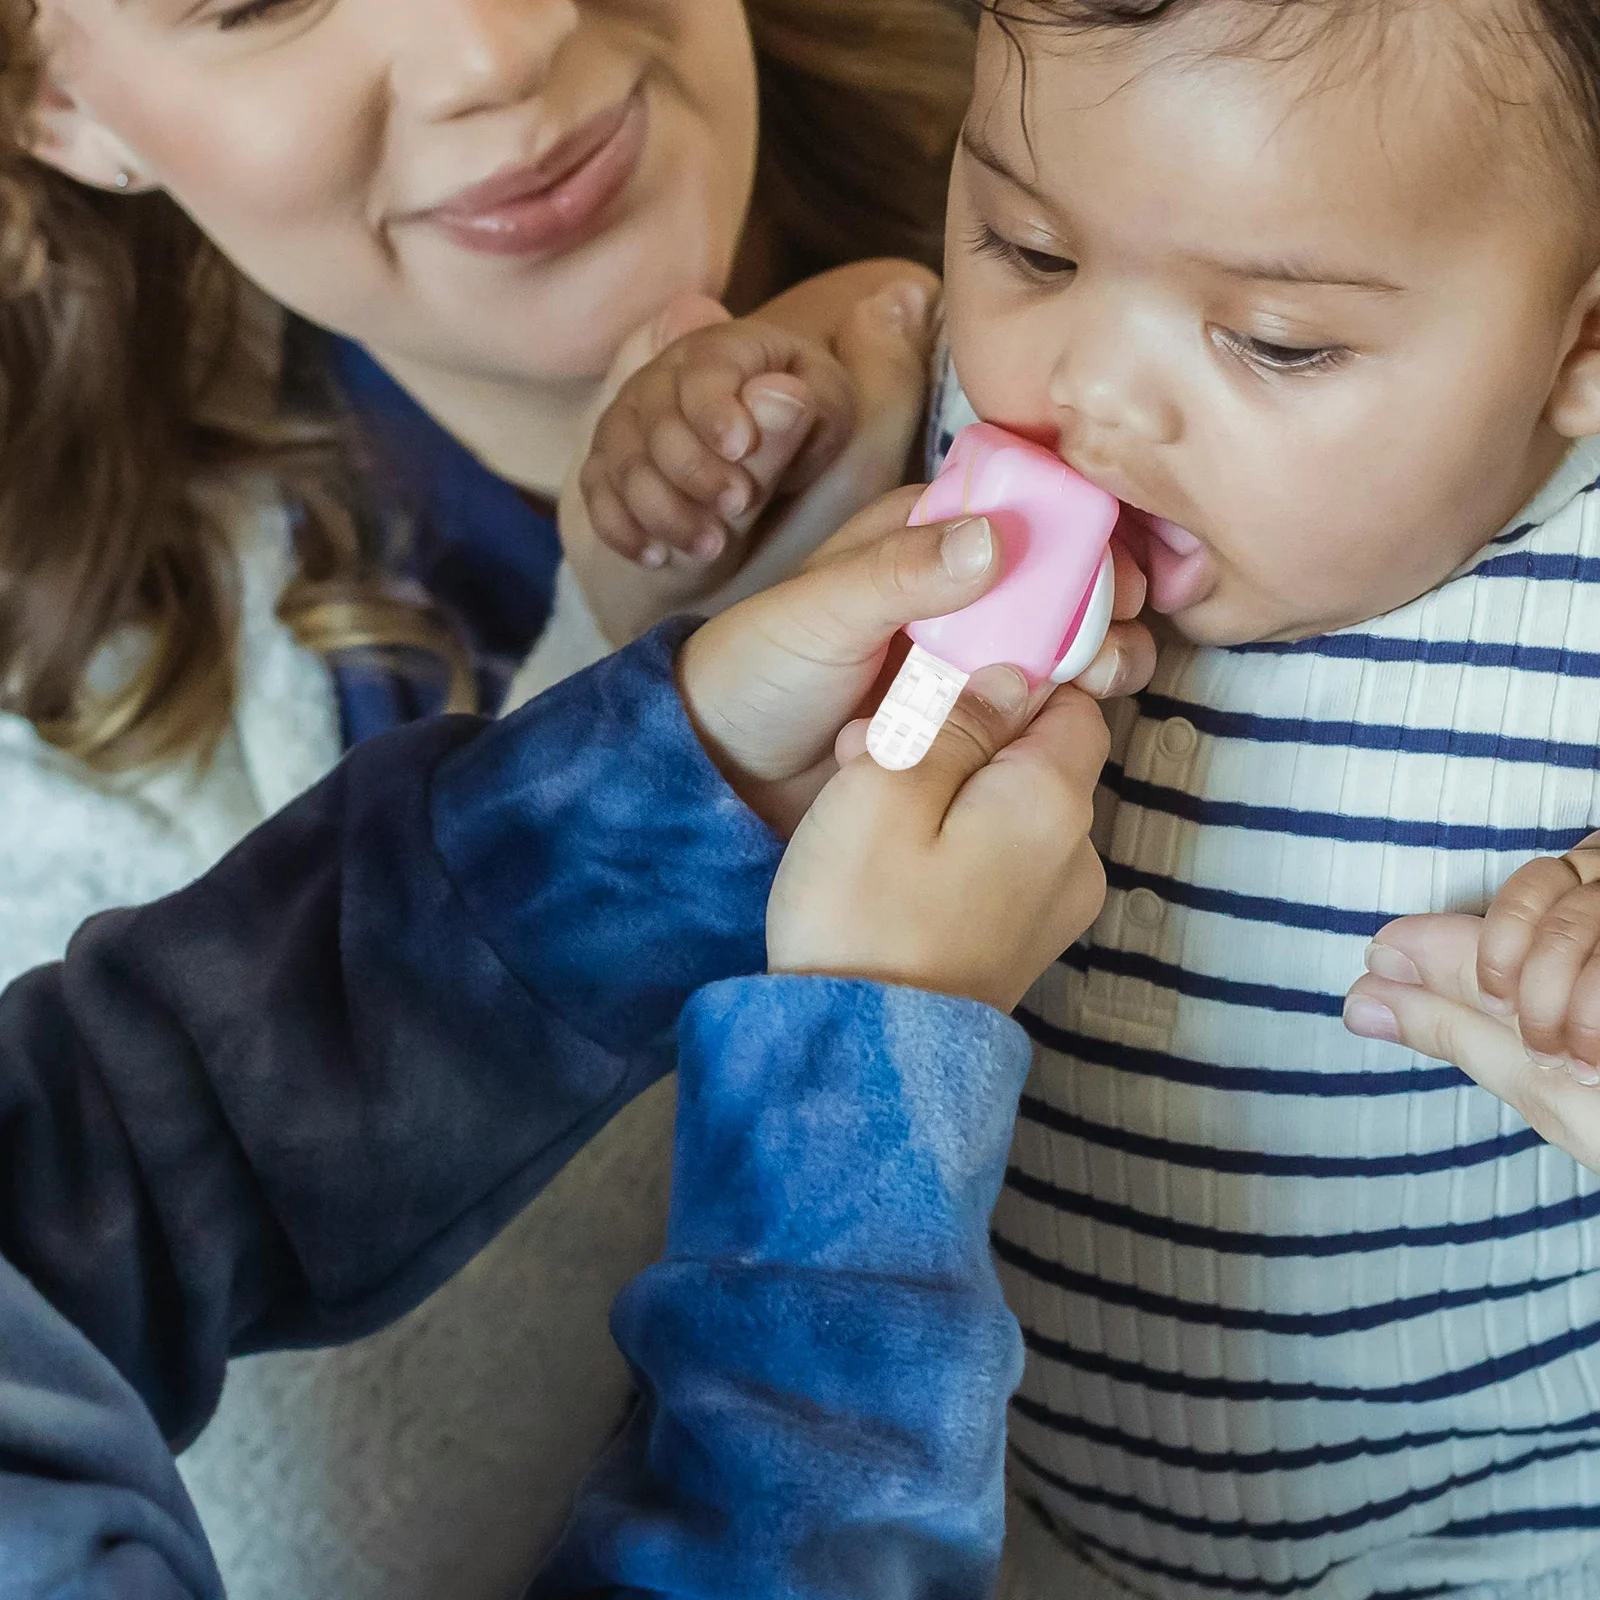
x: 1008, y: 384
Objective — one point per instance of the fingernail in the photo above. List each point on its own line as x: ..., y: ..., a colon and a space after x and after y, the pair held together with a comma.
x: 1384, y: 961
x: 736, y: 442
x: 905, y: 305
x: 775, y: 410
x: 1546, y: 1063
x: 1367, y: 1019
x: 1003, y: 688
x: 709, y: 545
x: 1581, y: 1072
x: 967, y: 549
x: 1494, y: 1005
x: 653, y: 556
x: 1101, y: 678
x: 734, y: 501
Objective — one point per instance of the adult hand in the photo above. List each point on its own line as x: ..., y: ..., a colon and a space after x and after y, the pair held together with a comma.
x: 1421, y: 991
x: 966, y: 875
x: 770, y: 683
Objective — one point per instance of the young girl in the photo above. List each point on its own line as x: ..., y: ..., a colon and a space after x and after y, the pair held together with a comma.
x: 198, y: 609
x: 1315, y: 290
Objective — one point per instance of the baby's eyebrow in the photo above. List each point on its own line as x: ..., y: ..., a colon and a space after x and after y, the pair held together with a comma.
x: 1293, y: 271
x: 986, y: 155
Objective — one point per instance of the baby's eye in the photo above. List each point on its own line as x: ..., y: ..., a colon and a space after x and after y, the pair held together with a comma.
x: 1038, y: 264
x: 241, y: 16
x: 1262, y: 353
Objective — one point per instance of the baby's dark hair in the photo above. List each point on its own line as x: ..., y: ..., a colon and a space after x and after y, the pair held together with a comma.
x: 1564, y: 33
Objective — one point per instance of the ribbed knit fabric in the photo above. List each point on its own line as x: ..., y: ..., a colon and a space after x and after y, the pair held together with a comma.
x: 1306, y: 1315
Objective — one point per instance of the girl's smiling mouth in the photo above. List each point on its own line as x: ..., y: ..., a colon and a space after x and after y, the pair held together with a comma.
x: 554, y: 204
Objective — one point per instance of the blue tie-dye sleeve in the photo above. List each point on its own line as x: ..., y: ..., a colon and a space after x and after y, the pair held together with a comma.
x: 824, y: 1353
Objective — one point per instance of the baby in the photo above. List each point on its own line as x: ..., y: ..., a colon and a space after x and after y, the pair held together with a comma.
x: 1312, y: 286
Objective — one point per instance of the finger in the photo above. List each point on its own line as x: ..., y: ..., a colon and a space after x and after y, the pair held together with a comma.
x: 708, y: 394
x: 883, y: 348
x: 613, y: 524
x: 1125, y: 664
x: 991, y: 712
x: 1585, y: 859
x: 1583, y: 1016
x: 1486, y: 1048
x: 852, y: 741
x: 1132, y: 585
x: 1511, y: 925
x: 1046, y: 776
x: 686, y: 314
x: 783, y: 413
x: 1562, y: 946
x: 726, y: 360
x: 846, y: 611
x: 695, y: 470
x: 1412, y: 1015
x: 668, y: 517
x: 1438, y: 952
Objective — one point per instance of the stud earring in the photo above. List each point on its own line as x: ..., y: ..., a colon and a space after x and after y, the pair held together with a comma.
x: 123, y: 179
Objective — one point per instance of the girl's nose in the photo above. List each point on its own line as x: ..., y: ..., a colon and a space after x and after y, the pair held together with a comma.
x: 457, y: 57
x: 1109, y: 376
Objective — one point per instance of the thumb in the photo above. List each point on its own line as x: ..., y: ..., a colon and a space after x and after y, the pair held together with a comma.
x: 1421, y: 991
x: 1439, y: 952
x: 993, y: 709
x: 847, y: 609
x: 885, y: 345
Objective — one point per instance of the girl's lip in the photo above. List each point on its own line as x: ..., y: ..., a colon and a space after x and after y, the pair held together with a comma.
x: 556, y: 203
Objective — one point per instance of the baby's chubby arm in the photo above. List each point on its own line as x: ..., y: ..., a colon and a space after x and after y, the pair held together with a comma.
x: 1509, y: 998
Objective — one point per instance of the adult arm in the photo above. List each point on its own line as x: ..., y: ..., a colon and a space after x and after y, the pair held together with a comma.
x: 283, y: 1105
x: 824, y: 1351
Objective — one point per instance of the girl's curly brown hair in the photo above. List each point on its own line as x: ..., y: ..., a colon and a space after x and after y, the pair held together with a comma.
x: 141, y: 407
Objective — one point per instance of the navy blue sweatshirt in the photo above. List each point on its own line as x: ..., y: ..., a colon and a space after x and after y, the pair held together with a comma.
x: 282, y: 1106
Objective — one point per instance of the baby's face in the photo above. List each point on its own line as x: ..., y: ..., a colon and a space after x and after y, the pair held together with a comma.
x: 1312, y: 332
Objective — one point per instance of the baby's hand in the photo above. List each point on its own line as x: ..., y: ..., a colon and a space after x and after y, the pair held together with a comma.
x: 881, y: 345
x: 699, y: 440
x: 1539, y: 959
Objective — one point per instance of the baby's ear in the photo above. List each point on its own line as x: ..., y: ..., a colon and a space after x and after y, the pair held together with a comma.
x: 1574, y: 406
x: 67, y: 136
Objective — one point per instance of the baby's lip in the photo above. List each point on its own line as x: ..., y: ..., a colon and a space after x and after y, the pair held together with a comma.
x: 1177, y: 563
x: 1138, y: 528
x: 1179, y: 540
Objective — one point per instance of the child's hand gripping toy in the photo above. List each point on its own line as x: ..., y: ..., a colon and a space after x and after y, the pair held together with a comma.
x: 1050, y: 610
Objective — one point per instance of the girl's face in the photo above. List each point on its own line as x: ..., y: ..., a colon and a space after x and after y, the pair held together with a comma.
x: 499, y: 188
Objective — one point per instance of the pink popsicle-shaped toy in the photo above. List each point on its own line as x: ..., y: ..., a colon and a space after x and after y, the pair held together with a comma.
x: 1049, y: 612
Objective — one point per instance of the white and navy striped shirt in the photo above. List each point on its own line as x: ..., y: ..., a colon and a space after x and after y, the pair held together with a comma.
x: 1307, y: 1315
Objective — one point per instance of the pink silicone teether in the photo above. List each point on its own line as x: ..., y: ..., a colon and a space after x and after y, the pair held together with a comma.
x: 1049, y: 612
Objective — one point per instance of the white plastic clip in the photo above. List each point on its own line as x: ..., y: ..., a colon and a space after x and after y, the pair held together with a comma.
x: 917, y: 706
